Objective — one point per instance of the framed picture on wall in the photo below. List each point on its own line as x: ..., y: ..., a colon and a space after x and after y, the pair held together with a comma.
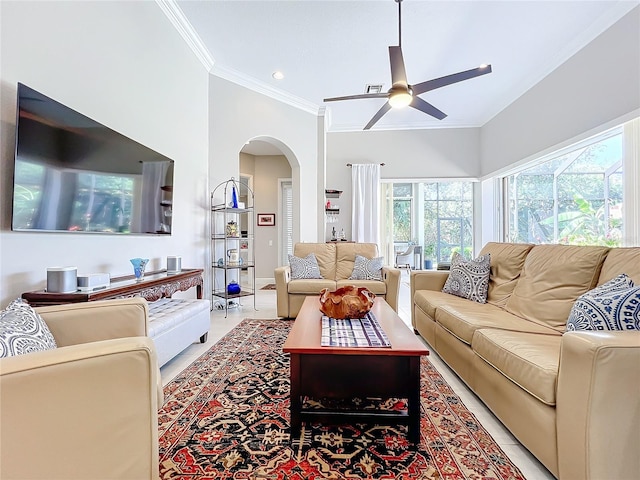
x: 266, y: 219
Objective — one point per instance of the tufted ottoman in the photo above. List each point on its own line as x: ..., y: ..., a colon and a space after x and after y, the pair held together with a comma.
x: 176, y: 323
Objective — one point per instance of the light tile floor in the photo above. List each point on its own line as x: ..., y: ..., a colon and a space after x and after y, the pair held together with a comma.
x: 265, y: 304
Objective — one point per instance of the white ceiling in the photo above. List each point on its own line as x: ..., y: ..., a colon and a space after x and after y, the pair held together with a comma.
x: 334, y: 48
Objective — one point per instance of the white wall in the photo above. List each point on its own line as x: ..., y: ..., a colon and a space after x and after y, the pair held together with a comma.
x: 407, y: 154
x: 124, y: 65
x: 237, y: 115
x: 599, y: 84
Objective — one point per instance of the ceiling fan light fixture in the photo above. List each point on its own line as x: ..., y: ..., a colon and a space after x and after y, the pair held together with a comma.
x: 400, y: 99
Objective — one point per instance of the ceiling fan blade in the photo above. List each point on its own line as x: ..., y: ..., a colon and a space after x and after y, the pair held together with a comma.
x: 355, y: 97
x: 385, y: 108
x: 398, y: 72
x: 449, y: 79
x: 426, y: 107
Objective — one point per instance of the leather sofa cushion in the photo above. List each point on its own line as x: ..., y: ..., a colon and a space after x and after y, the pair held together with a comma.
x: 346, y: 257
x: 507, y: 260
x: 463, y: 319
x: 429, y: 300
x: 310, y: 286
x: 553, y: 277
x: 529, y: 360
x: 376, y: 286
x: 325, y: 255
x: 621, y: 260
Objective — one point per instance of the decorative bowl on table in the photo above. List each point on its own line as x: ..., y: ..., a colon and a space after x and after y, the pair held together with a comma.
x: 346, y: 302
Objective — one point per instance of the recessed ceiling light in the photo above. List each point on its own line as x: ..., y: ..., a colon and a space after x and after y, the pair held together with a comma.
x: 278, y: 75
x: 484, y: 65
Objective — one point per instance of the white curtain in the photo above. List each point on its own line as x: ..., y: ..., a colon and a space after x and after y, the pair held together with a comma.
x: 365, y: 188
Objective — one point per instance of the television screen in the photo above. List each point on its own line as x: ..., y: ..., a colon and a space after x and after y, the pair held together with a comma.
x: 73, y: 174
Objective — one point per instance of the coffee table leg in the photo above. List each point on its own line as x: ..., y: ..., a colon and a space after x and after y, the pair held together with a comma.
x: 295, y: 402
x: 413, y: 402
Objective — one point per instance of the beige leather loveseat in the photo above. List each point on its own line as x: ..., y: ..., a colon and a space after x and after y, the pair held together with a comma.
x: 336, y: 262
x: 572, y: 399
x: 87, y: 409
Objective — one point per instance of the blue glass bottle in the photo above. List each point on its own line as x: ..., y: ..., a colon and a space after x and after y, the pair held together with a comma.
x: 234, y: 197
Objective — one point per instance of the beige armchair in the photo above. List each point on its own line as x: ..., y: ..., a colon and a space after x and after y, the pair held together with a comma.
x: 88, y: 409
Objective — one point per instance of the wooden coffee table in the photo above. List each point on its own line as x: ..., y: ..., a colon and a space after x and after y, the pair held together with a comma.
x: 347, y: 372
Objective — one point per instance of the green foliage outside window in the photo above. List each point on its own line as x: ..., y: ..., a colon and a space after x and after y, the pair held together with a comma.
x: 401, y: 220
x: 448, y: 219
x: 575, y: 198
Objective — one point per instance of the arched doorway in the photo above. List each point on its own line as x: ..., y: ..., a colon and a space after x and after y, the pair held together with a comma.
x: 271, y: 169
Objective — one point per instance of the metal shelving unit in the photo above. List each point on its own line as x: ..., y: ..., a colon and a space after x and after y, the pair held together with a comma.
x: 233, y: 249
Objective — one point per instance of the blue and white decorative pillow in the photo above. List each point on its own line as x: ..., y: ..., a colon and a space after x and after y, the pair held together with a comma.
x: 614, y: 305
x: 306, y: 267
x: 22, y: 331
x: 469, y: 278
x: 367, y: 268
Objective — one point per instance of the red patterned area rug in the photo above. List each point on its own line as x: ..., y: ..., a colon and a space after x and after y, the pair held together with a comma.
x: 227, y: 416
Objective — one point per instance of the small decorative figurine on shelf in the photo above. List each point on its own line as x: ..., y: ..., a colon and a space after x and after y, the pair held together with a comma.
x: 139, y: 265
x: 232, y: 255
x: 232, y: 229
x: 333, y: 234
x: 343, y: 237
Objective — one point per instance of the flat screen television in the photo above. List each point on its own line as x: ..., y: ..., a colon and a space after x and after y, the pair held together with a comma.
x: 74, y: 174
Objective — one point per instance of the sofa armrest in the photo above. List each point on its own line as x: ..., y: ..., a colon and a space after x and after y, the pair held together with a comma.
x: 76, y: 323
x: 427, y: 280
x: 87, y: 411
x: 282, y: 277
x: 598, y: 414
x: 391, y: 278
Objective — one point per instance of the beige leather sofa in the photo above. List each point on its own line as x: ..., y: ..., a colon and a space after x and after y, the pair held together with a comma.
x: 336, y: 261
x: 88, y: 409
x: 572, y: 399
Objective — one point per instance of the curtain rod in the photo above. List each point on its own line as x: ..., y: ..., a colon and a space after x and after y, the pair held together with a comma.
x: 351, y: 164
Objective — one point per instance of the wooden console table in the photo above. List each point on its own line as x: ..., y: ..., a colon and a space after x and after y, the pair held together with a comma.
x: 153, y: 286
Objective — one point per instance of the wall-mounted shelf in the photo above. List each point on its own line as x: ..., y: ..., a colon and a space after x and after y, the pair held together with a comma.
x: 332, y: 212
x: 332, y: 193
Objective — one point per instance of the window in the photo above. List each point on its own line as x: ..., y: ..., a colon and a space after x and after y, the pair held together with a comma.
x: 435, y: 215
x: 448, y: 219
x: 402, y: 212
x: 286, y: 210
x: 573, y: 197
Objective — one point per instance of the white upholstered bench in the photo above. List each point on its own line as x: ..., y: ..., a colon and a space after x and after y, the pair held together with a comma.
x: 176, y: 323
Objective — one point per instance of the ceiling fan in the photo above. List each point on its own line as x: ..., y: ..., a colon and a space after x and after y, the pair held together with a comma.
x: 402, y: 93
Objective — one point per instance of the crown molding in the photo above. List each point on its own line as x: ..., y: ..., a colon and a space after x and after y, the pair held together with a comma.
x: 265, y: 89
x: 188, y: 33
x: 185, y: 29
